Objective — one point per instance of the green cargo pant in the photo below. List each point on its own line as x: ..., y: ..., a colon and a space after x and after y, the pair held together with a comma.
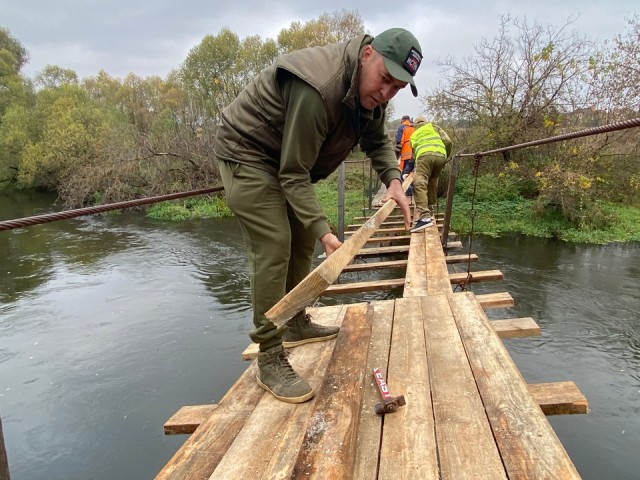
x: 425, y: 185
x: 279, y: 248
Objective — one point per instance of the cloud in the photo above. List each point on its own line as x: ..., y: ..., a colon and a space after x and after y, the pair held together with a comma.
x: 153, y: 37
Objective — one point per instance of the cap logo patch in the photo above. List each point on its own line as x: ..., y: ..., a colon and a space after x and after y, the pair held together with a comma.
x: 412, y: 61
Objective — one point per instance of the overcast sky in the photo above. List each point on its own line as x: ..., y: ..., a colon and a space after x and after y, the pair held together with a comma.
x: 152, y: 37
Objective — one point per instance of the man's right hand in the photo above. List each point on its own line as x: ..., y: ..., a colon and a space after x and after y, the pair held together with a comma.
x: 330, y: 243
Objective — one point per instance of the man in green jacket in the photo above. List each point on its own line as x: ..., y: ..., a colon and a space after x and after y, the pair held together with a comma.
x: 431, y: 147
x: 290, y: 127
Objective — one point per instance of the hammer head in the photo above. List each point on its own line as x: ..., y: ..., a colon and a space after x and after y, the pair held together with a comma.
x: 389, y: 405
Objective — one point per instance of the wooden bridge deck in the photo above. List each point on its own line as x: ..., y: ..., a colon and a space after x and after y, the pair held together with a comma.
x: 469, y: 414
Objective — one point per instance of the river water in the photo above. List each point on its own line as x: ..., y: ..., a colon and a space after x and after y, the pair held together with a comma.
x: 108, y: 325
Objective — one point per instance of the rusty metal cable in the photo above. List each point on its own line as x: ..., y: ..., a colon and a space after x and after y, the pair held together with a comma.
x: 51, y: 217
x: 612, y: 127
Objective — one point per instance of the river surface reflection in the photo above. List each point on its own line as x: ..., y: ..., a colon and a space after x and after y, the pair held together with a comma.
x: 108, y: 325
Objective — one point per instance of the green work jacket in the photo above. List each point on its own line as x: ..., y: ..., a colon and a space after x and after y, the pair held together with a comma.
x: 300, y: 118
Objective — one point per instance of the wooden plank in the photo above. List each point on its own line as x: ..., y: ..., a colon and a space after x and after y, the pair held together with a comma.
x: 357, y: 287
x: 382, y: 251
x: 322, y: 315
x: 556, y: 398
x: 408, y: 442
x: 389, y: 219
x: 391, y: 224
x: 495, y: 300
x: 559, y: 398
x: 437, y: 273
x: 461, y: 258
x: 394, y: 239
x: 528, y: 445
x: 480, y: 276
x: 453, y: 245
x: 363, y: 267
x: 203, y: 450
x: 188, y: 418
x: 305, y: 293
x: 370, y: 428
x: 516, y: 327
x: 328, y: 447
x: 416, y: 275
x: 271, y: 436
x: 384, y: 231
x: 466, y: 446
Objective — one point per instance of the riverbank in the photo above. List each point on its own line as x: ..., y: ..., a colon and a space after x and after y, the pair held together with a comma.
x: 497, y: 208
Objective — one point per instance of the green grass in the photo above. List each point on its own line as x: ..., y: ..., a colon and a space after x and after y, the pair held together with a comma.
x: 522, y: 216
x: 190, y: 209
x: 500, y: 207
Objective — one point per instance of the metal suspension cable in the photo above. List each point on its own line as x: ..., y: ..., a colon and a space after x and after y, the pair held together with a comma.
x: 51, y: 217
x: 612, y: 127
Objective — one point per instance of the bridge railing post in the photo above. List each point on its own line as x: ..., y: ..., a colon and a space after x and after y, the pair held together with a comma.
x: 453, y: 176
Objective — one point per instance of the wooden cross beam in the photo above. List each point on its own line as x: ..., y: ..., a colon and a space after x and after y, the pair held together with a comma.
x: 325, y: 274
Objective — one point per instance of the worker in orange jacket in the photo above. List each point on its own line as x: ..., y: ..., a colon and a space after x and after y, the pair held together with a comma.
x: 405, y: 145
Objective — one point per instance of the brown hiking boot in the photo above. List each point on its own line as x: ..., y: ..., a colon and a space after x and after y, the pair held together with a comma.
x: 302, y: 330
x: 277, y: 377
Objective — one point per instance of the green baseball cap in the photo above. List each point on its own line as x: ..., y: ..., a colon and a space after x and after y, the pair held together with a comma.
x: 402, y: 54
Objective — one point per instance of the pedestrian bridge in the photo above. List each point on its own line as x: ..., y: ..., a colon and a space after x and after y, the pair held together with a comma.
x: 468, y: 412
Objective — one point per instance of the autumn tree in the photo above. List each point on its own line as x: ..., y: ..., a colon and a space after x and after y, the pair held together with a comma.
x: 515, y: 87
x: 53, y: 76
x: 16, y: 95
x: 328, y: 28
x: 218, y: 68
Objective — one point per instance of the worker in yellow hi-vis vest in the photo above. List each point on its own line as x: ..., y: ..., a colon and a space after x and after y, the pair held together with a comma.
x: 431, y: 147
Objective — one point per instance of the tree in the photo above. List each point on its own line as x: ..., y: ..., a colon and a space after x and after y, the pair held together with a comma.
x: 328, y: 28
x: 19, y: 55
x: 615, y: 75
x: 515, y: 88
x: 218, y: 68
x: 53, y: 76
x: 13, y: 87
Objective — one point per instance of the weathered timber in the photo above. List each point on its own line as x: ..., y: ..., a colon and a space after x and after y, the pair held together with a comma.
x: 466, y: 446
x: 416, y: 274
x: 399, y: 223
x: 204, y: 449
x: 370, y: 429
x: 555, y: 398
x: 462, y: 258
x: 357, y: 287
x: 396, y: 239
x: 409, y: 451
x: 383, y: 231
x: 495, y: 300
x: 319, y: 315
x: 481, y: 276
x: 455, y: 245
x: 363, y: 267
x: 303, y: 294
x: 269, y: 442
x: 436, y: 273
x: 207, y: 446
x: 188, y: 418
x: 516, y: 327
x: 528, y: 445
x: 382, y: 251
x: 559, y: 398
x: 510, y: 328
x: 329, y: 445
